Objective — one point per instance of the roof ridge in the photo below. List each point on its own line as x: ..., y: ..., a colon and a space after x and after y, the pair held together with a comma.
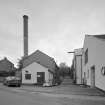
x: 39, y: 57
x: 36, y: 52
x: 44, y: 54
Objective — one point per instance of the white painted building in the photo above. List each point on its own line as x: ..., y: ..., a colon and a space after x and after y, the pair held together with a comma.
x: 38, y: 68
x: 77, y: 65
x: 93, y: 71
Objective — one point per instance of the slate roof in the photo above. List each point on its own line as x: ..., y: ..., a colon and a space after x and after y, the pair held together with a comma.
x: 6, y: 65
x: 40, y: 58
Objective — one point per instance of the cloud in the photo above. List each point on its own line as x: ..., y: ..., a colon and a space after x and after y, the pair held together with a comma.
x: 55, y: 26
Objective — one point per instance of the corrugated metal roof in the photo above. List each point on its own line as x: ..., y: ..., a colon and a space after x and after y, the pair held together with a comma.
x: 101, y: 36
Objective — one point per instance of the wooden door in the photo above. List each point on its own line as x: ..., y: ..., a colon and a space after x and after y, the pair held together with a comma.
x: 40, y: 78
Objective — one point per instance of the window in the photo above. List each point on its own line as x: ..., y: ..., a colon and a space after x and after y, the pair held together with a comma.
x: 28, y: 76
x: 86, y: 56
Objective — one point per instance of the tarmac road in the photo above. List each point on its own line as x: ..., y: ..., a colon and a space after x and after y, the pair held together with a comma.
x: 23, y: 98
x: 16, y: 96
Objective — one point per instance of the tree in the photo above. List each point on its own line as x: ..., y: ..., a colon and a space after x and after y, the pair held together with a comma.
x: 64, y: 69
x: 20, y: 63
x: 19, y: 69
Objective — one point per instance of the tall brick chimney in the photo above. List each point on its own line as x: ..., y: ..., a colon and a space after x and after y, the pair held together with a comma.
x: 25, y: 36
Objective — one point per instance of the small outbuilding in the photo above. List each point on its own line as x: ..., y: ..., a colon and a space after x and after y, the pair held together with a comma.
x: 38, y: 68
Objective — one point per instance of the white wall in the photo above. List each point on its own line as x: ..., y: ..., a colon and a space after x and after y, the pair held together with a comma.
x: 33, y: 69
x: 78, y: 70
x: 78, y: 65
x: 96, y: 56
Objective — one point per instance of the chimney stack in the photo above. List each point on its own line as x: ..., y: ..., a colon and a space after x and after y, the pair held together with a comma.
x: 25, y: 26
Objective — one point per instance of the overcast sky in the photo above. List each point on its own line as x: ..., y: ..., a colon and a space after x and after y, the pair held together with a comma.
x: 55, y: 26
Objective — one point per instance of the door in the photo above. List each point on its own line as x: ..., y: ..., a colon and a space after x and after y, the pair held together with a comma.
x: 84, y: 81
x: 40, y: 78
x: 93, y: 76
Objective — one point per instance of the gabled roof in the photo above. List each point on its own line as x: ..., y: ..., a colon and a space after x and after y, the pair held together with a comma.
x: 6, y: 65
x: 40, y: 58
x: 5, y: 60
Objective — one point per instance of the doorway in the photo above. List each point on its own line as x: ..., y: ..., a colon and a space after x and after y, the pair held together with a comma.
x: 40, y: 78
x: 93, y: 76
